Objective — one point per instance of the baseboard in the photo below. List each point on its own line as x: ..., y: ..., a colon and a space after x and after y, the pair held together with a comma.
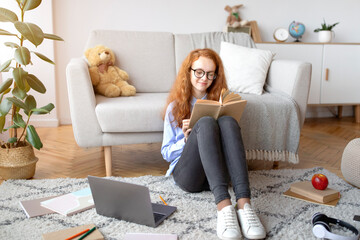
x: 45, y: 122
x: 323, y: 112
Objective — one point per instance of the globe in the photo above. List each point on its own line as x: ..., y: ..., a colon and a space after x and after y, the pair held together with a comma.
x: 296, y: 30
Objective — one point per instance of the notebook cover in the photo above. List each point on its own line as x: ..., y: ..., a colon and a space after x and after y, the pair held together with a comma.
x: 68, y: 232
x: 150, y: 236
x: 32, y: 208
x: 71, y: 203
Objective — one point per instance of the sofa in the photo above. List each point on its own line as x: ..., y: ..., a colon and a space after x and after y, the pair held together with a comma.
x: 270, y: 124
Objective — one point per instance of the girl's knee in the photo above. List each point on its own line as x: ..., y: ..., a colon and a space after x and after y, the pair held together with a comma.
x: 228, y: 121
x: 207, y: 120
x: 207, y: 123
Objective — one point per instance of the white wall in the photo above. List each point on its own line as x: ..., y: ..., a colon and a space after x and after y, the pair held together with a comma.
x: 73, y: 20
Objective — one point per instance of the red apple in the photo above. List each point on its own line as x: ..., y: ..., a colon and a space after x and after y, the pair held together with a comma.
x: 319, y: 181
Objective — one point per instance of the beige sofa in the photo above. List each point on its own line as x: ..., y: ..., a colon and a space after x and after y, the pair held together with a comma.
x: 152, y: 60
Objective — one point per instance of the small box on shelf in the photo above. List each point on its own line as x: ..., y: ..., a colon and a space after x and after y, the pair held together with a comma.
x: 251, y: 28
x: 244, y: 29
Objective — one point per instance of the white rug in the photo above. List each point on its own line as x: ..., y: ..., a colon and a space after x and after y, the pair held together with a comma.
x: 283, y: 218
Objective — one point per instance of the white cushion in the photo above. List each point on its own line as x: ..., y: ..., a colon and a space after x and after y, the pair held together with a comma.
x: 245, y: 68
x: 139, y: 113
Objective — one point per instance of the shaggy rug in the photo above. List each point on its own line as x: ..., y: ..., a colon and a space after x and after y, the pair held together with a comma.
x: 195, y: 218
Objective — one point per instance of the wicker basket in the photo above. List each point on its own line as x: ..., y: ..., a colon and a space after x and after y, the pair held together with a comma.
x: 17, y: 163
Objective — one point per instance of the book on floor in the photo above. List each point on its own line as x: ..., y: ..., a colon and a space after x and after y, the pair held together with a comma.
x: 150, y: 236
x: 305, y: 191
x: 229, y: 104
x: 69, y: 232
x: 32, y: 207
x: 71, y: 203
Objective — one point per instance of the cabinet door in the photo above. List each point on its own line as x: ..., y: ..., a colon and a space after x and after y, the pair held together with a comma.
x: 311, y: 53
x: 343, y: 82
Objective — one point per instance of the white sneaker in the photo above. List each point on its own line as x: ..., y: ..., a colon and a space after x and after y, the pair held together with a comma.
x: 227, y: 224
x: 250, y: 223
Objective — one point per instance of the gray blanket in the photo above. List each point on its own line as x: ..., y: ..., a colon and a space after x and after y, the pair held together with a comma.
x: 270, y: 127
x: 213, y: 39
x: 270, y: 123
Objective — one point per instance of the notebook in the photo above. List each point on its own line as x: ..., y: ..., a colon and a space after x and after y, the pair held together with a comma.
x: 127, y: 201
x: 71, y: 203
x: 32, y: 208
x: 69, y: 232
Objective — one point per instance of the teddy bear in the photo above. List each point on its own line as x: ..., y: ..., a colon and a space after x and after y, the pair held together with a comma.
x: 234, y: 20
x: 107, y: 79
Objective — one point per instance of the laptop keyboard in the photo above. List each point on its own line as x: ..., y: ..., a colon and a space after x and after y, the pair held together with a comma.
x: 158, y: 216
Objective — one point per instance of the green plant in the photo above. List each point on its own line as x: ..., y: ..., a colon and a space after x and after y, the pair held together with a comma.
x: 15, y: 99
x: 325, y: 27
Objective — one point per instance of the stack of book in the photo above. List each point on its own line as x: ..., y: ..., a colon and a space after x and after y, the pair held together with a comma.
x: 305, y: 191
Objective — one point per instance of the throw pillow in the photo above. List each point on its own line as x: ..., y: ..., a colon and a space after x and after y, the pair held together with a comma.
x: 245, y: 68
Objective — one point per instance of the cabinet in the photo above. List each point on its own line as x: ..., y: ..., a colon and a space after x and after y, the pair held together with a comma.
x: 335, y: 78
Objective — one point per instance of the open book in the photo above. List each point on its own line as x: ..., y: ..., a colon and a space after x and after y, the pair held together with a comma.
x: 229, y: 104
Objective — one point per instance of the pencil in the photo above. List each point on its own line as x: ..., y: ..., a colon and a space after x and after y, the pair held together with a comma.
x: 78, y: 234
x: 87, y: 233
x: 163, y: 200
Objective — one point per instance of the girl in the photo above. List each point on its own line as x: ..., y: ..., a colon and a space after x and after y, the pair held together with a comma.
x: 212, y: 153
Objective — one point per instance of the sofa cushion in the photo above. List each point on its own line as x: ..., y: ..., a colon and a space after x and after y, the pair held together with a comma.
x: 245, y: 68
x: 148, y: 57
x: 140, y: 113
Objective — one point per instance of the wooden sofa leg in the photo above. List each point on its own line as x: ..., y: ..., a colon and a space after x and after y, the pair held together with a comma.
x: 357, y: 113
x: 275, y: 164
x: 107, y: 153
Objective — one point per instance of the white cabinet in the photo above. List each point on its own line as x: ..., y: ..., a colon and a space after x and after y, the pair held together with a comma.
x: 340, y: 75
x: 335, y: 75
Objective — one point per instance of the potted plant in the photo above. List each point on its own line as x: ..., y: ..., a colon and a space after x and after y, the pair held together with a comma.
x: 17, y: 105
x: 325, y: 32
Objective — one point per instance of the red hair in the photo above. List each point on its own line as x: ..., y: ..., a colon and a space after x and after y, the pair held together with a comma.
x: 181, y: 92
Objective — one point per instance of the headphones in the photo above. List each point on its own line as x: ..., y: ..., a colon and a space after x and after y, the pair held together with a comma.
x: 321, y: 228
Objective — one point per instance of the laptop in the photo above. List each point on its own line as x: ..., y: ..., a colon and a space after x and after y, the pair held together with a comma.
x: 127, y: 201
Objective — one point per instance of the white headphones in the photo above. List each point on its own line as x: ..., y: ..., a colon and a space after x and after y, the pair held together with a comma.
x: 321, y: 228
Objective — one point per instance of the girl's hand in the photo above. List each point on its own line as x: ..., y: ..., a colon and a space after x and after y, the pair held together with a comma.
x: 185, y: 128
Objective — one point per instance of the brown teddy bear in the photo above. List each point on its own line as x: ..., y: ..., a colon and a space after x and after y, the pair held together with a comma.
x: 107, y: 79
x: 234, y: 20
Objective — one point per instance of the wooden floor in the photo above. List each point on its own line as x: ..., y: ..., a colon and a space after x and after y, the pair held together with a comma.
x: 322, y: 143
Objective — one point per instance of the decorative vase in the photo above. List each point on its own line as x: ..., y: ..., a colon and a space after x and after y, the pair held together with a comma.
x: 325, y: 36
x: 17, y: 163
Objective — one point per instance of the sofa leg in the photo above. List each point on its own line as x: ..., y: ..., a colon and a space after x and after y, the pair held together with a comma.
x: 107, y: 153
x: 275, y: 164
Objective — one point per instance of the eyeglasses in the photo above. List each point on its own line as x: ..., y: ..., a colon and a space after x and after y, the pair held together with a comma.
x: 199, y: 73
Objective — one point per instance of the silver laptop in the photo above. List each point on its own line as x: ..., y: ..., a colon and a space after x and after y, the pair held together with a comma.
x: 127, y: 201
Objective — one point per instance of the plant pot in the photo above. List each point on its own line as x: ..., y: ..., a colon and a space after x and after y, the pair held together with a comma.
x: 325, y: 36
x: 17, y: 163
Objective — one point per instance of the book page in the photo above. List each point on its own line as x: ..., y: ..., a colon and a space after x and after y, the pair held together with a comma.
x: 233, y: 109
x: 230, y: 104
x: 206, y: 101
x: 231, y: 97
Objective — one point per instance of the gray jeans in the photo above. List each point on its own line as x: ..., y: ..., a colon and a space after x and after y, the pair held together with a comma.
x: 213, y: 152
